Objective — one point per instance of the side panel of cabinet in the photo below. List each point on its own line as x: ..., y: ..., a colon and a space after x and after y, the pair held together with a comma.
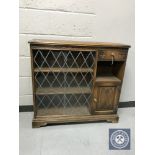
x: 106, y: 99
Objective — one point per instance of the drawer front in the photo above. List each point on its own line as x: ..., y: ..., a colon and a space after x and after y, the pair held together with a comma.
x: 116, y: 55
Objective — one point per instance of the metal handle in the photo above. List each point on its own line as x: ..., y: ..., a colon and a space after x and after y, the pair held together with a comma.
x: 112, y: 61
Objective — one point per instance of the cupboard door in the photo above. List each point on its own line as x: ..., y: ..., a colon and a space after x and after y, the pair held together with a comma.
x: 106, y: 99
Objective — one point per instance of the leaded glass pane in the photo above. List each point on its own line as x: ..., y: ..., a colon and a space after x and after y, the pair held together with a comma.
x: 63, y: 81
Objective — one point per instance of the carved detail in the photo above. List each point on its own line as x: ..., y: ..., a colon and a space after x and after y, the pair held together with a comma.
x: 38, y: 124
x: 105, y: 97
x: 113, y: 120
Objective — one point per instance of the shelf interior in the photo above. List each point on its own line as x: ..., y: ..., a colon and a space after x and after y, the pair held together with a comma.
x: 63, y: 59
x: 110, y: 72
x: 63, y: 79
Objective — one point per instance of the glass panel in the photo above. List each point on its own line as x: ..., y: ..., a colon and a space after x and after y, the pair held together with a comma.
x: 63, y: 81
x: 62, y: 104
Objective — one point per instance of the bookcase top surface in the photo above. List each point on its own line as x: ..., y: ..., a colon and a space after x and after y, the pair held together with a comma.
x: 76, y: 43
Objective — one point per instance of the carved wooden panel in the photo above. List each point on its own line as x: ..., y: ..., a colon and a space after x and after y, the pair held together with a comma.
x: 105, y: 98
x: 116, y: 55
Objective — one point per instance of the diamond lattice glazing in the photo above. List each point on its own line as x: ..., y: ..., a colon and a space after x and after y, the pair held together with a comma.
x: 68, y: 77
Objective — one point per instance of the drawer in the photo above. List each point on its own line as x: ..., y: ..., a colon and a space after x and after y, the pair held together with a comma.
x: 116, y: 55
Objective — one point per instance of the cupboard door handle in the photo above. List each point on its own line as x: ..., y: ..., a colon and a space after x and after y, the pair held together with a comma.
x: 95, y: 100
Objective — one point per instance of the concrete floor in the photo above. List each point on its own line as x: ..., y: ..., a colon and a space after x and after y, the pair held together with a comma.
x: 73, y: 139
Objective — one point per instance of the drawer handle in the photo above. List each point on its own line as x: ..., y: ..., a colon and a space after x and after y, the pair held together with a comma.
x: 112, y: 60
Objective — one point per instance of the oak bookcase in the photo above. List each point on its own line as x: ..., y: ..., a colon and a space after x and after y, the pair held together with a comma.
x: 76, y: 81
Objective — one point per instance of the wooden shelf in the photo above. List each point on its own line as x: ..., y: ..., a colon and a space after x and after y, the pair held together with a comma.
x: 107, y: 81
x: 47, y: 69
x: 69, y: 90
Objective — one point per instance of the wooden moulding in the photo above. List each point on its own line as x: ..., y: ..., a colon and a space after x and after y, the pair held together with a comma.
x: 76, y: 43
x: 58, y: 119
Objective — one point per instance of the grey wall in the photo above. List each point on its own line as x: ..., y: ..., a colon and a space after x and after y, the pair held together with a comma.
x: 82, y: 20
